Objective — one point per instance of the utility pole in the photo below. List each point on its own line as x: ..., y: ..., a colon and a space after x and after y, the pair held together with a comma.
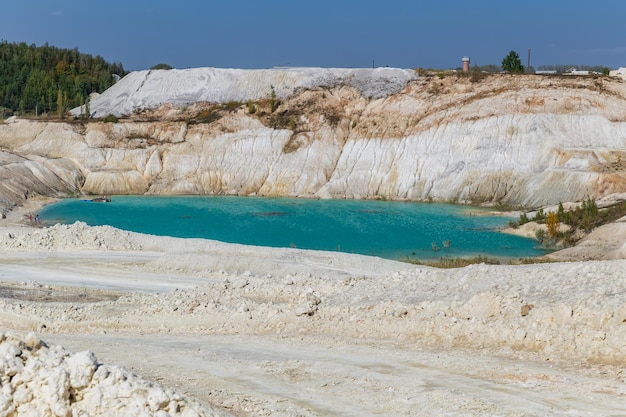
x: 528, y: 66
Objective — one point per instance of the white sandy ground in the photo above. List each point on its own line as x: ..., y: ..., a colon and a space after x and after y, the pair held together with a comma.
x: 285, y: 332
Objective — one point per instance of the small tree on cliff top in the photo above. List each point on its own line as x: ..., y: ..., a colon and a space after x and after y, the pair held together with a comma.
x: 512, y: 63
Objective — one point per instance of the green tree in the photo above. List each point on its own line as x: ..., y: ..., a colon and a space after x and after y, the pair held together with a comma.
x: 162, y: 67
x: 273, y: 101
x: 512, y: 63
x: 589, y: 210
x: 561, y: 215
x: 60, y: 104
x: 38, y: 92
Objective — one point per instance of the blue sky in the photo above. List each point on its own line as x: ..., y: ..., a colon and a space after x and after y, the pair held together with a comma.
x: 325, y: 33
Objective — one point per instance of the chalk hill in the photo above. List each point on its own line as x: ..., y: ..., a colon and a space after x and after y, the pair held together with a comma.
x: 384, y: 133
x: 149, y: 89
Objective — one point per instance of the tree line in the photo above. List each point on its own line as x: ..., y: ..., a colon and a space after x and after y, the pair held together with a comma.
x: 47, y: 79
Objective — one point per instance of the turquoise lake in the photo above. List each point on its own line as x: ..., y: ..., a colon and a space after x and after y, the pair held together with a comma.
x: 394, y: 230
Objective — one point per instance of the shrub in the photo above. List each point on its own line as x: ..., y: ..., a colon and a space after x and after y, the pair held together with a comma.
x: 540, y: 234
x: 161, y: 67
x: 451, y: 262
x: 523, y: 219
x: 478, y: 76
x: 230, y: 106
x: 273, y: 101
x: 207, y: 116
x: 110, y: 118
x: 586, y: 218
x: 251, y: 107
x: 562, y: 216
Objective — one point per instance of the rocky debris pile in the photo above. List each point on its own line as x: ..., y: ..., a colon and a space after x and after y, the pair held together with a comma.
x: 76, y: 236
x: 569, y: 311
x: 41, y: 380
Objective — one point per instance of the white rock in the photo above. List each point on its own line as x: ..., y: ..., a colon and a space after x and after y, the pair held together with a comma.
x: 81, y: 367
x: 49, y: 376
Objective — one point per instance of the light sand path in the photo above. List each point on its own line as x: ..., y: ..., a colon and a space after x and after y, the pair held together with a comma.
x: 313, y: 376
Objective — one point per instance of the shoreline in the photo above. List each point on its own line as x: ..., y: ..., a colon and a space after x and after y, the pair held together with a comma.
x: 16, y: 217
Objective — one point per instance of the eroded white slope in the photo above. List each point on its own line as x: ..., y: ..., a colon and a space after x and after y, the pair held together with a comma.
x: 526, y: 140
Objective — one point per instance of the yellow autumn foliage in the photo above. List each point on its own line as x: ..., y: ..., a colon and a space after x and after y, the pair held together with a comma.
x: 553, y: 224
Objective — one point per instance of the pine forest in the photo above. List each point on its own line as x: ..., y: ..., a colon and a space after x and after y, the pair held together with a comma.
x: 46, y: 80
